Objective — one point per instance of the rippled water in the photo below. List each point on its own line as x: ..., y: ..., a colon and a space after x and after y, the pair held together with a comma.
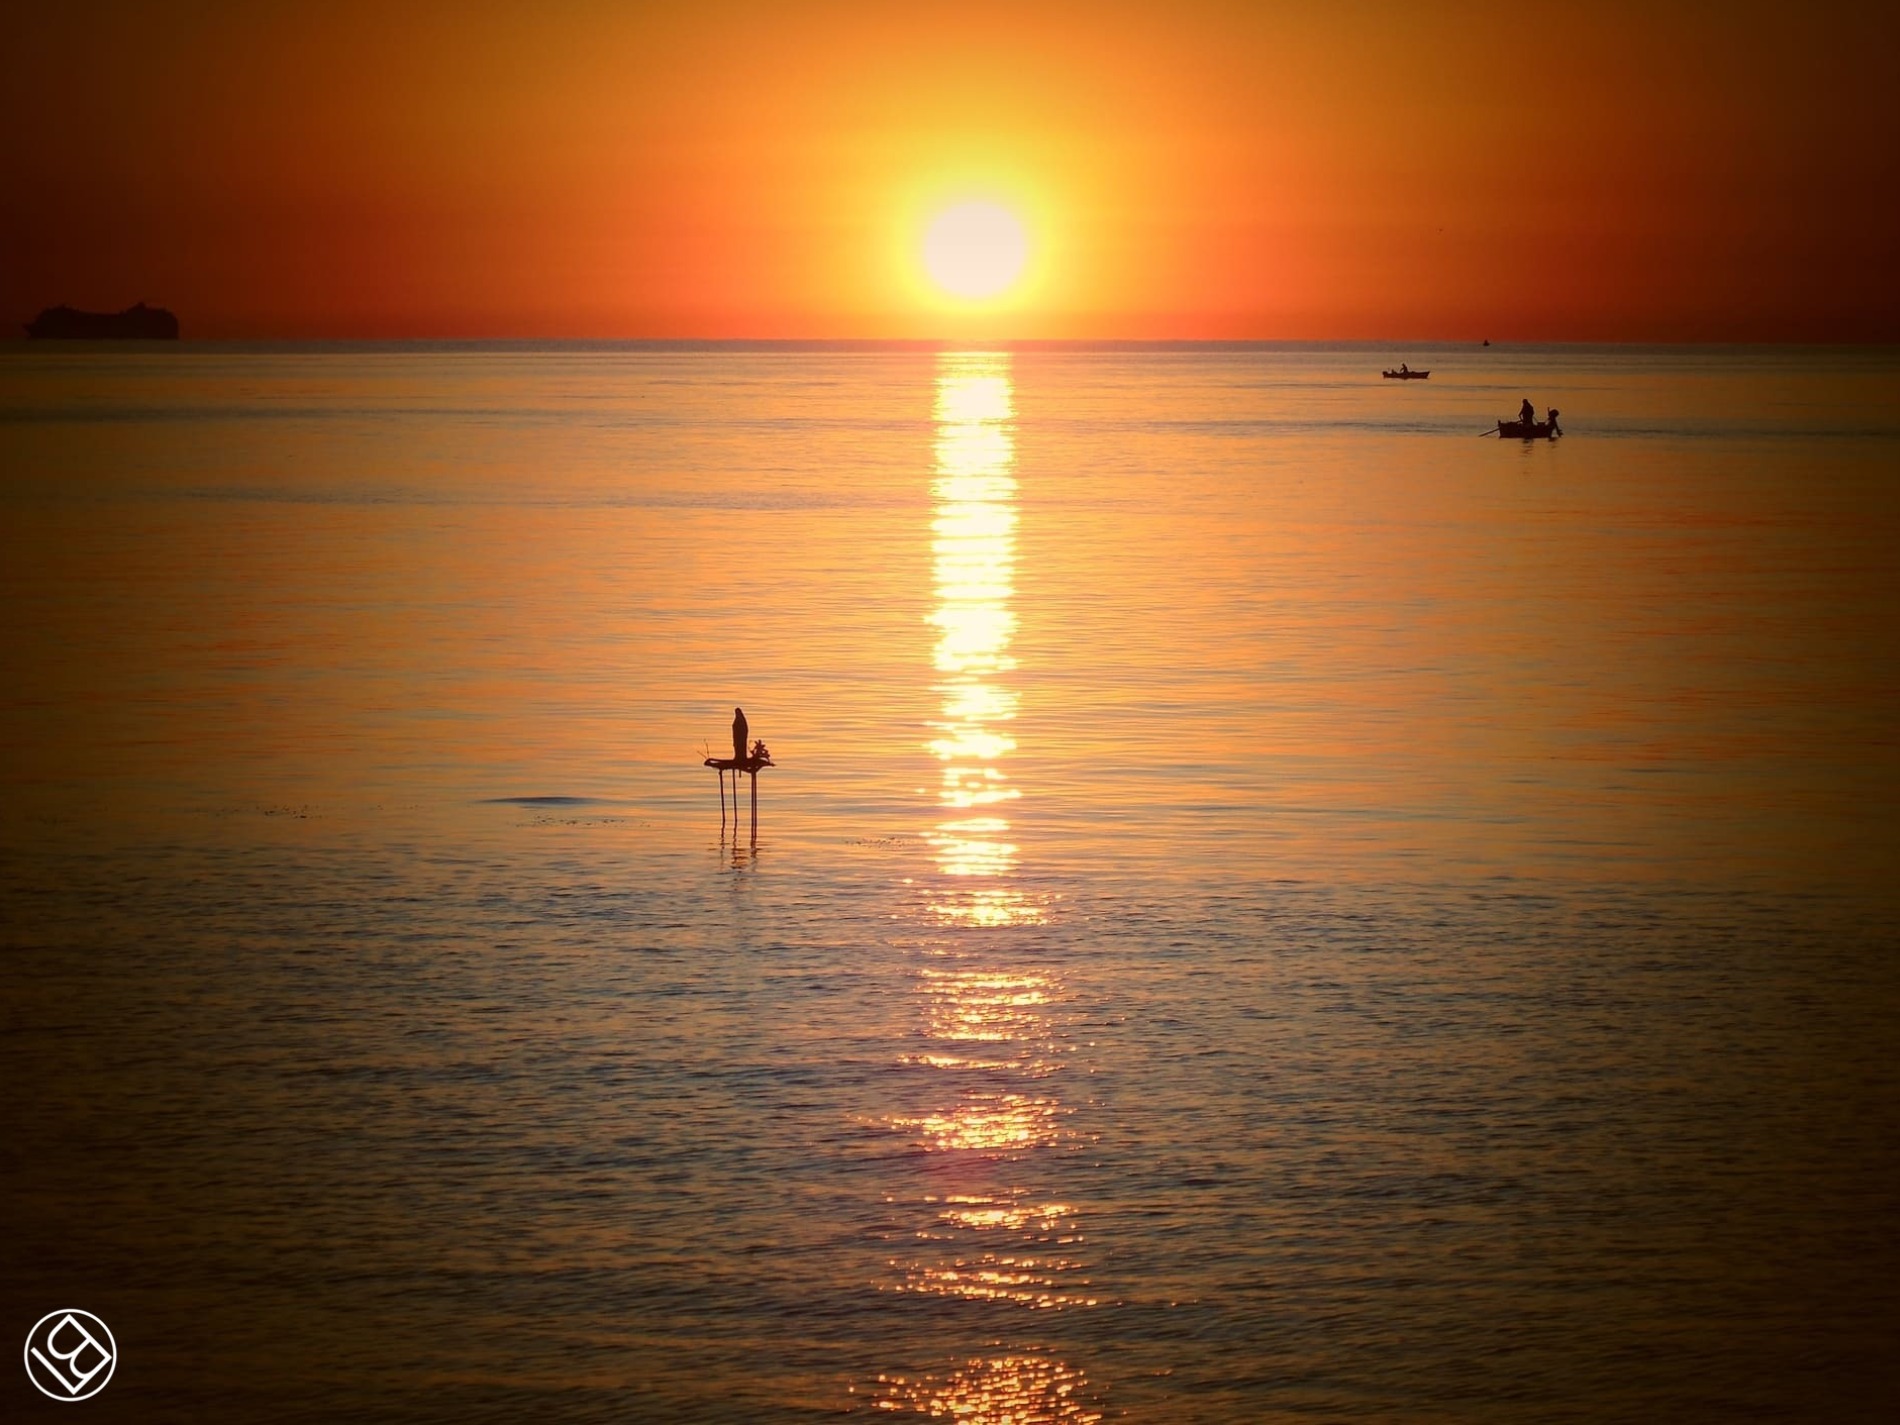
x: 1270, y: 905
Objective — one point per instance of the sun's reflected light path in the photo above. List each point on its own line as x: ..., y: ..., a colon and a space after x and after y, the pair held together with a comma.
x: 973, y: 546
x: 980, y: 1231
x: 1023, y: 1388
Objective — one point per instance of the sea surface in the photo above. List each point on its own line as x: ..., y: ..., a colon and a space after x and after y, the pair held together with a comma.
x: 1270, y: 904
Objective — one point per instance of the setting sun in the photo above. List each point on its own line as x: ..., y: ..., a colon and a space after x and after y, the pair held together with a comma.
x: 1302, y: 596
x: 975, y: 250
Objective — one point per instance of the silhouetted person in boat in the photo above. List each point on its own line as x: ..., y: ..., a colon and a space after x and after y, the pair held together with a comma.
x: 1553, y: 422
x: 738, y: 734
x: 1527, y: 413
x: 1403, y: 368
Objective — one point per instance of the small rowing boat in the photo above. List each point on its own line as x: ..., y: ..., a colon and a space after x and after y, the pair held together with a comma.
x: 1405, y: 374
x: 1528, y: 430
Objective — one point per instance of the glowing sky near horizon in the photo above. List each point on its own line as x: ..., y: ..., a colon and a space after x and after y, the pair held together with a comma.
x: 1661, y: 171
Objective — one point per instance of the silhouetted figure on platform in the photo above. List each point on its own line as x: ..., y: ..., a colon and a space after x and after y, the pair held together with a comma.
x: 739, y: 731
x: 1527, y: 413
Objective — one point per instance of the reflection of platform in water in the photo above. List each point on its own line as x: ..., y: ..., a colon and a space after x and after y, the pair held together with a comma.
x: 736, y: 765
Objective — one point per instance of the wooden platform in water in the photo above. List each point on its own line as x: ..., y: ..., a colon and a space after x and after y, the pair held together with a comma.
x: 740, y: 764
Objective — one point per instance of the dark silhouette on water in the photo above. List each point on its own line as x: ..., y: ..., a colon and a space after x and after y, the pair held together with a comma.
x: 140, y: 323
x: 1527, y: 426
x: 1529, y: 430
x: 1405, y: 373
x: 740, y: 761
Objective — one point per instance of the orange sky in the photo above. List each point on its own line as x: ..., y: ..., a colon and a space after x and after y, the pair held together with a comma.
x: 727, y: 169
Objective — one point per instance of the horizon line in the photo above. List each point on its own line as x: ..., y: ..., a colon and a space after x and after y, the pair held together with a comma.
x: 923, y: 344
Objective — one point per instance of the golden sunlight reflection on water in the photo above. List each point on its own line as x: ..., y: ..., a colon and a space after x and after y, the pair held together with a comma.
x: 992, y: 1029
x: 974, y: 550
x: 1407, y: 935
x: 1021, y: 1389
x: 993, y: 1021
x: 1002, y: 1247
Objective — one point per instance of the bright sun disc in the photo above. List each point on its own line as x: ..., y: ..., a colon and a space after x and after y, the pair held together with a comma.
x: 975, y: 250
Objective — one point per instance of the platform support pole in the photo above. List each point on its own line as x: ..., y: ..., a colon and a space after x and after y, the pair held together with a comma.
x: 755, y: 807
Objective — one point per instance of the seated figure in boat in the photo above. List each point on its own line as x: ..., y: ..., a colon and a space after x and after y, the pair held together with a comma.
x: 1527, y: 413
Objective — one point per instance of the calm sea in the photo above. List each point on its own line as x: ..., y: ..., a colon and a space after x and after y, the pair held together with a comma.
x: 1270, y: 905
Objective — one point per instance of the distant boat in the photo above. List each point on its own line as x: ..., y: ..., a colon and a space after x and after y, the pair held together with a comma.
x: 1403, y: 374
x: 1528, y: 430
x: 140, y: 323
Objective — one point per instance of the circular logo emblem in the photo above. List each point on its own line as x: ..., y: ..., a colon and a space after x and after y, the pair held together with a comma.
x: 70, y: 1355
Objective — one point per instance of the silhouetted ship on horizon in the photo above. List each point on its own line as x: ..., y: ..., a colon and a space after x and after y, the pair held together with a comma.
x: 140, y: 323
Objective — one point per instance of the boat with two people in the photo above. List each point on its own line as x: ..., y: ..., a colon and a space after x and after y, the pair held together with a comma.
x: 1528, y: 427
x: 1405, y: 373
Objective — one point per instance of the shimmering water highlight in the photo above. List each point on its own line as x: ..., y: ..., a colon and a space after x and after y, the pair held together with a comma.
x: 1271, y: 906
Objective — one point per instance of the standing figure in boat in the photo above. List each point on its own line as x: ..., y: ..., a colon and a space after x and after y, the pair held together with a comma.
x: 1528, y: 427
x: 739, y: 731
